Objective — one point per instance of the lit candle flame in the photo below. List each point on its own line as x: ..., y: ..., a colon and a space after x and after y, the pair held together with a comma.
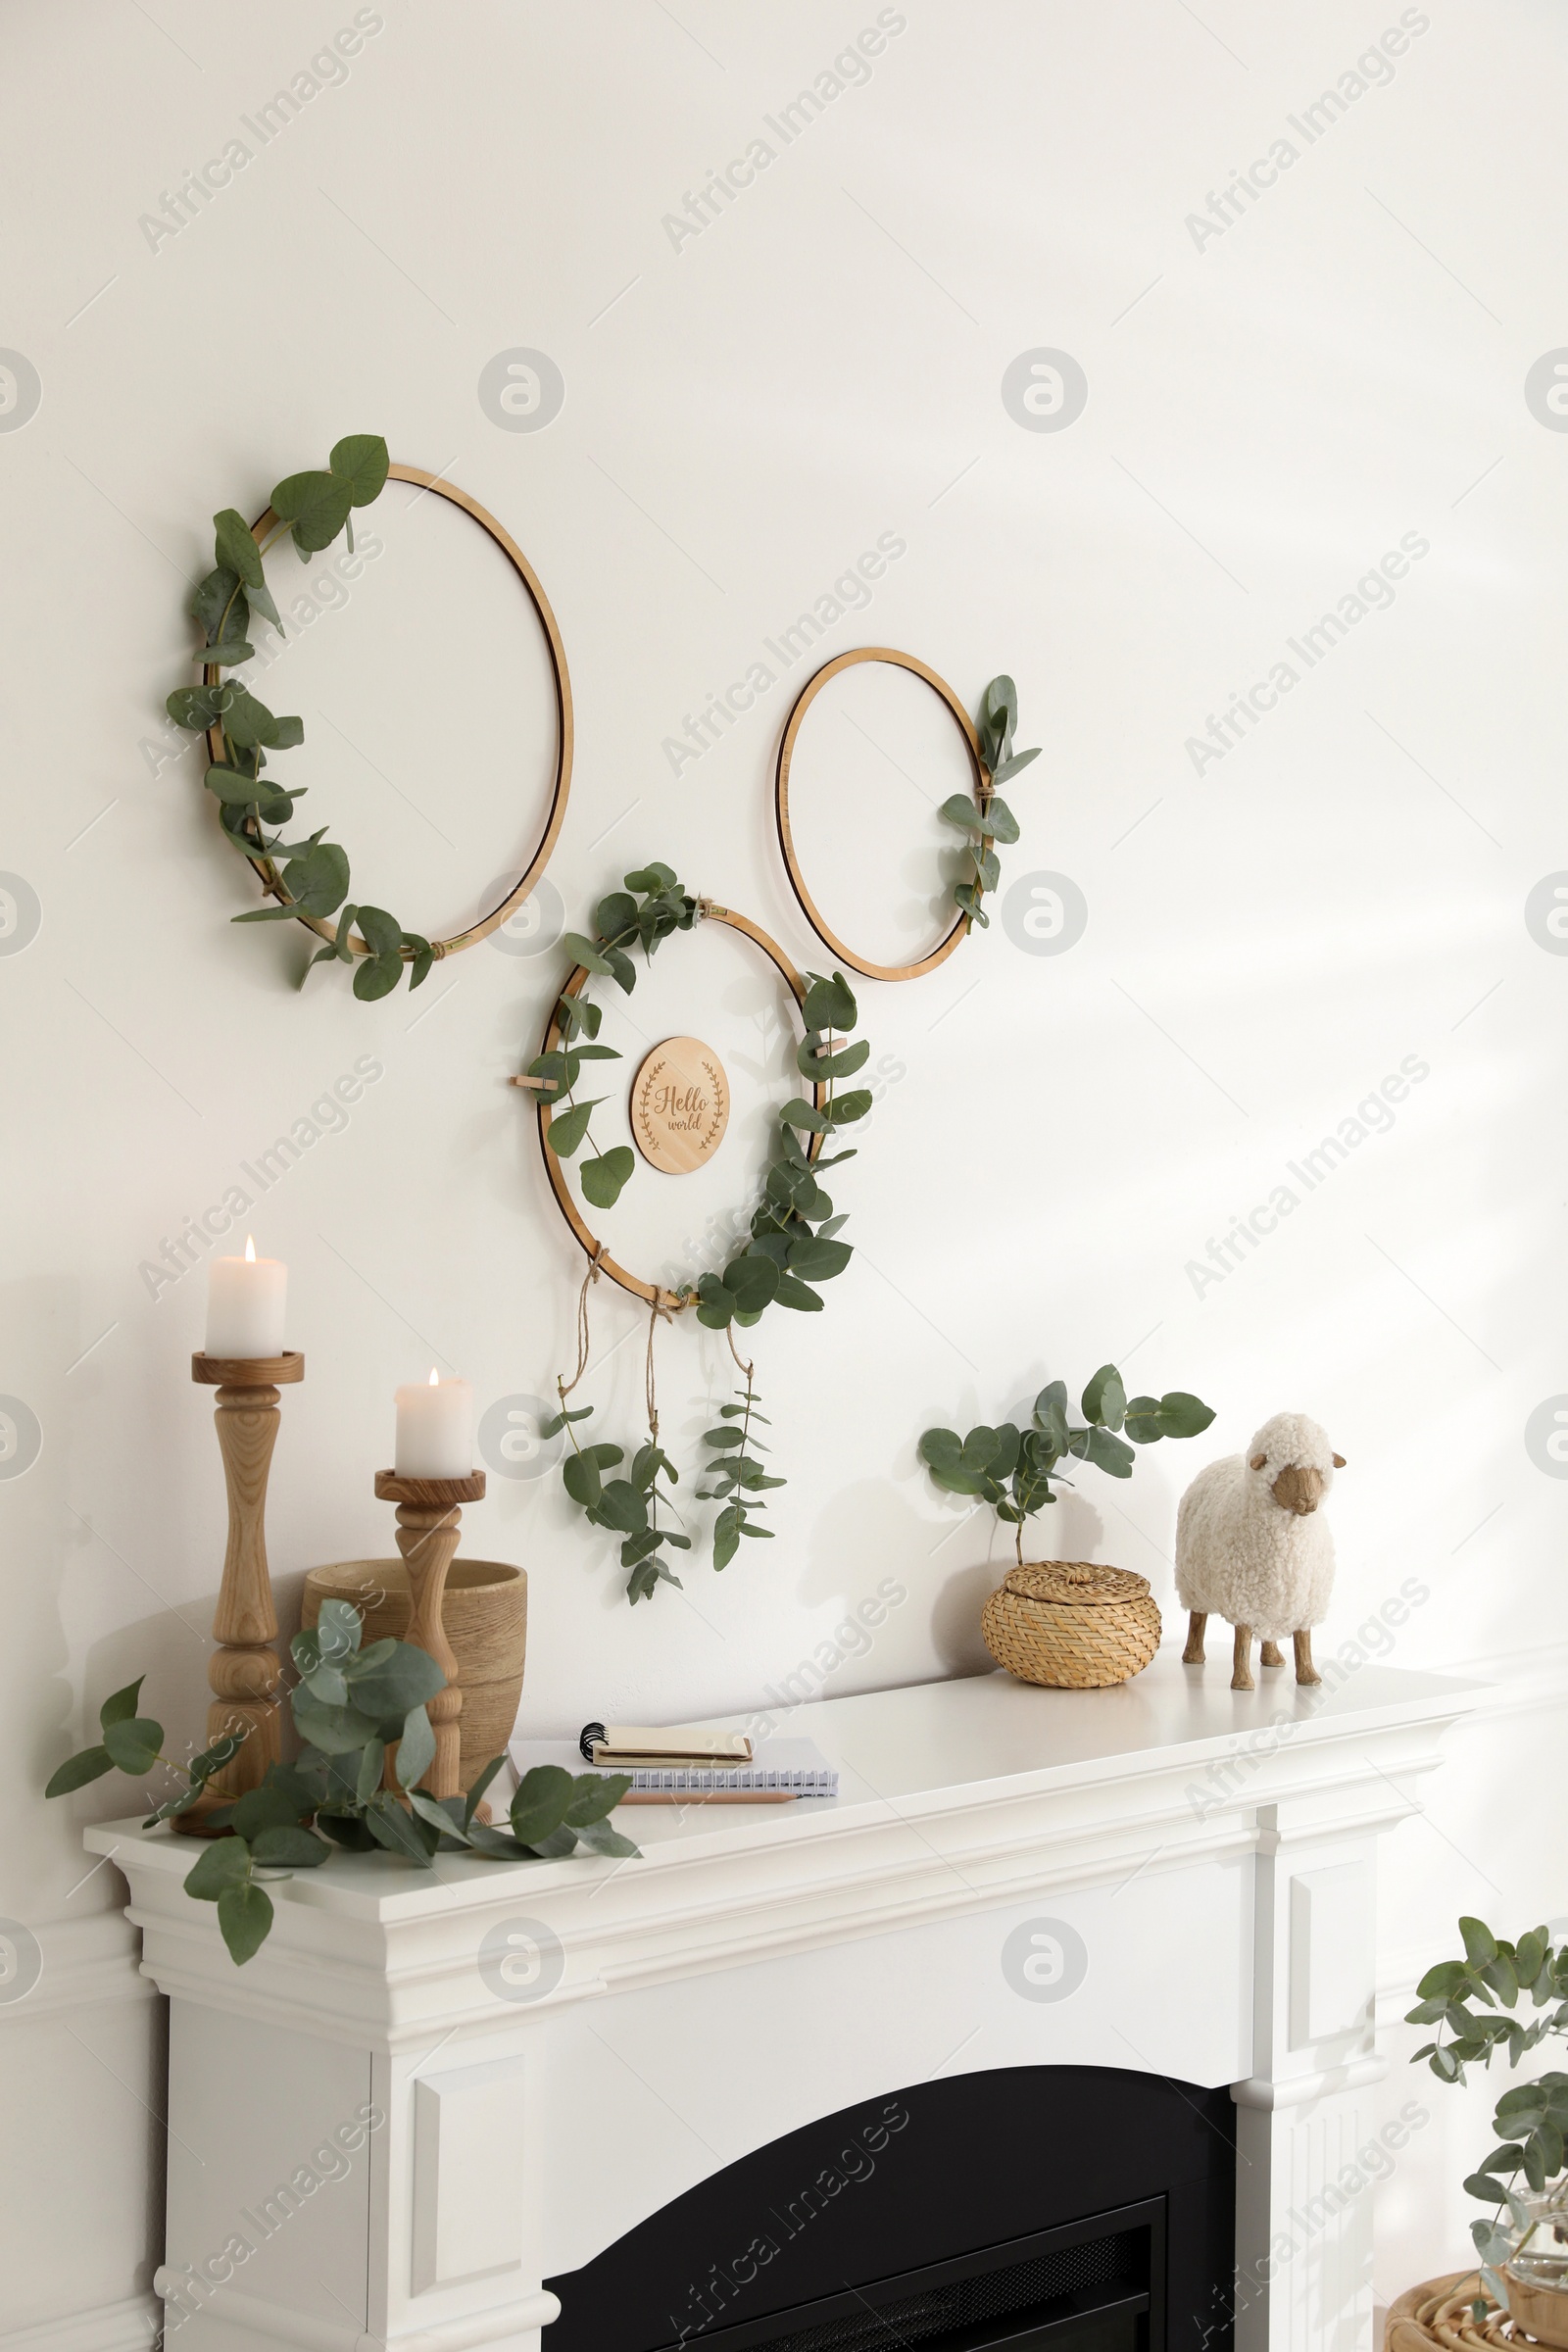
x: 250, y: 1251
x: 435, y: 1378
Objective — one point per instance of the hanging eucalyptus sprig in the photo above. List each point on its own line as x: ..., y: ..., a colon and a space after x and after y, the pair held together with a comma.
x: 740, y: 1476
x: 311, y: 877
x: 994, y: 820
x: 628, y: 1506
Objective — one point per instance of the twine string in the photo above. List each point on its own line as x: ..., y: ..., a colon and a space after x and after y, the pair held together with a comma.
x: 657, y: 1308
x: 565, y: 1387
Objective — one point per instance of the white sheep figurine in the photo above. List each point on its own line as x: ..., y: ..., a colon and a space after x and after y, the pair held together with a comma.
x: 1251, y: 1546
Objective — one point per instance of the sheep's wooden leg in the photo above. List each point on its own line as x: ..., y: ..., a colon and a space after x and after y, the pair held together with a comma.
x: 1271, y: 1654
x: 1193, y: 1654
x: 1306, y: 1671
x: 1242, y: 1674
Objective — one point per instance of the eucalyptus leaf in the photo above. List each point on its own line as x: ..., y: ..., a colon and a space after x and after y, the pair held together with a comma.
x: 88, y: 1764
x: 583, y: 950
x: 567, y: 1128
x: 361, y: 461
x: 415, y: 1747
x: 399, y: 1832
x: 245, y: 1920
x: 134, y: 1744
x: 539, y: 1804
x: 236, y: 550
x: 604, y: 1178
x: 316, y: 505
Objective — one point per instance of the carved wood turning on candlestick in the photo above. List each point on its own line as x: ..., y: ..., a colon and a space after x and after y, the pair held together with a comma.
x: 244, y: 1671
x: 428, y: 1534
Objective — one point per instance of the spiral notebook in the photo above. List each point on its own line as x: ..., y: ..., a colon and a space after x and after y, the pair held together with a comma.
x: 779, y: 1768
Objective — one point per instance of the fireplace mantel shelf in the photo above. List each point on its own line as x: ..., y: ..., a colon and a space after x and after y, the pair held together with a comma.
x: 761, y: 1966
x: 933, y: 1751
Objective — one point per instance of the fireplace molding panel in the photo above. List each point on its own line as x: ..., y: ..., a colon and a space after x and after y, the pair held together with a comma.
x: 1167, y: 1879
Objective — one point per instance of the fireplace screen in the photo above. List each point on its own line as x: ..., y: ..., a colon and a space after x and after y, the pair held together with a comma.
x: 1083, y: 2209
x: 1094, y: 2287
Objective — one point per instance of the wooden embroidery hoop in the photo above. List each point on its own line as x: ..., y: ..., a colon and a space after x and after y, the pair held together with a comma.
x: 561, y: 786
x: 653, y: 1292
x: 781, y: 803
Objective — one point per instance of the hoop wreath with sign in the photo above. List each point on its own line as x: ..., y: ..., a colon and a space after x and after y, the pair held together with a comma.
x: 985, y: 822
x: 308, y: 879
x: 794, y: 1240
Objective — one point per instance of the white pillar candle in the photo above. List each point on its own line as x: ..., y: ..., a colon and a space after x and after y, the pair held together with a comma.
x: 245, y: 1300
x: 436, y: 1430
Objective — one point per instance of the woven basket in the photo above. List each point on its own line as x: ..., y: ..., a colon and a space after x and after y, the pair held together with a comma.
x: 486, y: 1613
x: 1071, y: 1623
x: 1439, y: 2314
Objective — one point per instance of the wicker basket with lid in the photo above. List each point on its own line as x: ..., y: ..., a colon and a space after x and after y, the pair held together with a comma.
x: 1072, y: 1624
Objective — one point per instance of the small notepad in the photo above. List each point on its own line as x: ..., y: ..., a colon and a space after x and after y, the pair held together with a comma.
x: 778, y: 1768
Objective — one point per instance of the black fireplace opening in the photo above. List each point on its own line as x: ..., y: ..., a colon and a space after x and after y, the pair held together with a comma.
x: 1026, y: 2209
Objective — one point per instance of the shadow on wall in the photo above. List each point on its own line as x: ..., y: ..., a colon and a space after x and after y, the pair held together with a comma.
x: 878, y: 1554
x: 1071, y: 1529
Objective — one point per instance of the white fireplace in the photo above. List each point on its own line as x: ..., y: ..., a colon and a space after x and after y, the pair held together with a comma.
x: 433, y: 2091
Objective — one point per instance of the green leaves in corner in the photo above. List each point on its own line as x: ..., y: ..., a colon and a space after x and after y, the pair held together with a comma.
x: 988, y: 820
x: 308, y: 879
x: 1478, y: 2003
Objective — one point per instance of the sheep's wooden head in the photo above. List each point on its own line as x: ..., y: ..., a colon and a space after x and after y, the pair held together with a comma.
x: 1301, y: 1460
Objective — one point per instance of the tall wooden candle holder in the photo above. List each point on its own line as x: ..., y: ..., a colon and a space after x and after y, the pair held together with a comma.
x: 244, y: 1671
x: 428, y: 1534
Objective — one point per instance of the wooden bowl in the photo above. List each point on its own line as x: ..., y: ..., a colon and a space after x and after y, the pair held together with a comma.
x: 486, y: 1613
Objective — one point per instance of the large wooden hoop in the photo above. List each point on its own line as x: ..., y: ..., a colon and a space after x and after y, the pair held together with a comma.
x: 781, y: 805
x: 655, y: 1293
x: 564, y: 721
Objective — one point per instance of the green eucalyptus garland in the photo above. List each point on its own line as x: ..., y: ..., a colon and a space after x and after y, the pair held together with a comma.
x: 308, y: 878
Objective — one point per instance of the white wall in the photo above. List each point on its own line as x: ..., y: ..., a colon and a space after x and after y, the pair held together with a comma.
x: 1270, y: 410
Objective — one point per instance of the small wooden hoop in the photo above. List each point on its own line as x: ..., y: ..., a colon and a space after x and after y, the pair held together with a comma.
x: 564, y: 721
x: 781, y: 803
x: 653, y: 1292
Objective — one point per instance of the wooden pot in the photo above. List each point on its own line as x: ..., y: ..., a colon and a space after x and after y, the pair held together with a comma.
x: 1072, y: 1625
x: 486, y: 1619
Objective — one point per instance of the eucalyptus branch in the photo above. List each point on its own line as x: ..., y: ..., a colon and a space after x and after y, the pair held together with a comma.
x: 739, y: 1474
x: 992, y: 820
x: 1013, y: 1469
x: 352, y: 1705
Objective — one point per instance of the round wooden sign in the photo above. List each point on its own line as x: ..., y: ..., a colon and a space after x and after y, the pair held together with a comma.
x: 681, y: 1105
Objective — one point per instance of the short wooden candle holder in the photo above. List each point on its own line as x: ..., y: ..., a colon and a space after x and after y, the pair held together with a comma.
x: 244, y: 1671
x: 428, y: 1534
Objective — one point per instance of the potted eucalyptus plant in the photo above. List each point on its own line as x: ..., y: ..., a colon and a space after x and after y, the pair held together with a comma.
x: 1068, y: 1624
x: 1479, y: 2006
